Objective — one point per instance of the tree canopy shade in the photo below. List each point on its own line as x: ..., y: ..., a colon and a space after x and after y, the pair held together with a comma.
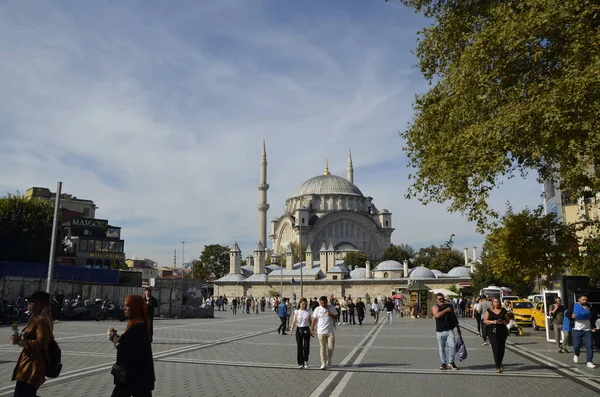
x: 515, y: 87
x: 25, y: 229
x: 214, y: 259
x: 529, y: 245
x: 355, y: 259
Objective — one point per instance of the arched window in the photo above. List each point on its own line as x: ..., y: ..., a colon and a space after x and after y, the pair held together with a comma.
x: 386, y: 275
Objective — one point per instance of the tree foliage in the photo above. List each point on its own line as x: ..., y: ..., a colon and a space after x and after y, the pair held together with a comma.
x: 213, y: 260
x: 515, y: 87
x: 26, y: 229
x: 398, y: 253
x: 528, y: 245
x: 483, y: 277
x: 355, y: 259
x: 588, y: 262
x: 440, y: 258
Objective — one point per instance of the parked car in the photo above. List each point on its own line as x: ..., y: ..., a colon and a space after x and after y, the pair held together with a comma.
x: 522, y: 309
x: 538, y: 316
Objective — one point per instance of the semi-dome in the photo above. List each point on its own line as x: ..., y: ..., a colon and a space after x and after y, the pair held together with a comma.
x: 328, y: 184
x: 460, y: 271
x: 421, y: 272
x: 359, y: 272
x: 390, y: 265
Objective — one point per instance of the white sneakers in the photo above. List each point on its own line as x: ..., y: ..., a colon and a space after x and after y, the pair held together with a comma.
x: 575, y: 359
x: 322, y: 366
x: 591, y: 365
x: 305, y: 364
x: 300, y: 366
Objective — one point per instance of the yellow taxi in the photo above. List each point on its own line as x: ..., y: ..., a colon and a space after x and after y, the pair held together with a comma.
x: 538, y: 316
x: 522, y: 310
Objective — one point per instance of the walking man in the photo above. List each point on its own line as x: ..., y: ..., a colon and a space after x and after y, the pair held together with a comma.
x: 360, y: 310
x: 282, y: 314
x: 484, y: 306
x: 557, y: 311
x: 445, y: 322
x: 151, y: 303
x: 389, y: 308
x: 582, y: 329
x: 234, y: 305
x: 324, y: 318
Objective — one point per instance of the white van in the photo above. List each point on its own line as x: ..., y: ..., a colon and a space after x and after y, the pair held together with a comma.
x: 535, y: 298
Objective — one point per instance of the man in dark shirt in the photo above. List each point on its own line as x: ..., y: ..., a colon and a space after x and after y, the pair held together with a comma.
x: 360, y: 310
x: 314, y: 304
x: 557, y: 311
x: 389, y: 308
x: 445, y: 322
x: 151, y: 303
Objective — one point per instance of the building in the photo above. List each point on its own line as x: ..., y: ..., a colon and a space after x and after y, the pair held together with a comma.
x: 84, y: 208
x: 93, y: 243
x: 331, y: 216
x: 144, y: 266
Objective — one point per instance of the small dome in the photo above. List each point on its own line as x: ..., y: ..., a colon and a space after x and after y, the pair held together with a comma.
x: 328, y: 184
x: 460, y: 271
x: 421, y: 272
x: 384, y: 211
x: 389, y: 265
x: 359, y: 272
x: 438, y: 273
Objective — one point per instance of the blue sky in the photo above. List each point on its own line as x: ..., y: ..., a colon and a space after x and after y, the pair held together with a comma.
x: 157, y: 111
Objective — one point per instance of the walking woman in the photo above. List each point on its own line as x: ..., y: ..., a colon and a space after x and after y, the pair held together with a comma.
x: 375, y: 310
x: 134, y: 370
x: 495, y: 319
x: 302, y: 318
x: 31, y: 365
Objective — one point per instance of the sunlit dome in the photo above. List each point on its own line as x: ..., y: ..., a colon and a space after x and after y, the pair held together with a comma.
x: 328, y: 184
x: 460, y: 271
x: 390, y: 265
x: 421, y: 272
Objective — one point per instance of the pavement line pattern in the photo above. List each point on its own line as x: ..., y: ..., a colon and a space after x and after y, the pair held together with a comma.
x: 342, y: 384
x: 65, y: 377
x: 329, y: 380
x: 584, y: 379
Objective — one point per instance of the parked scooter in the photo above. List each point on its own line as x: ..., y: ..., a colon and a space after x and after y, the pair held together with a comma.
x: 18, y: 312
x: 109, y: 310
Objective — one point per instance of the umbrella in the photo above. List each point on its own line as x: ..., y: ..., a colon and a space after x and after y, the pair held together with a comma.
x: 397, y: 296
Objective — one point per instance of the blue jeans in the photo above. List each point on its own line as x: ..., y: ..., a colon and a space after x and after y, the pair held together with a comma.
x: 446, y: 338
x: 587, y: 339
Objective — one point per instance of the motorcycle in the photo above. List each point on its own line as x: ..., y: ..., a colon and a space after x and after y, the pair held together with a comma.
x: 18, y: 312
x: 110, y: 310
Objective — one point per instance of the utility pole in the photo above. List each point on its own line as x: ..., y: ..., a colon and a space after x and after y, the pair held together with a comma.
x: 182, y: 256
x: 300, y: 255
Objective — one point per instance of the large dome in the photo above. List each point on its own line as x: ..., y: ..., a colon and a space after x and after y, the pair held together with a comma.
x: 328, y: 184
x: 460, y: 271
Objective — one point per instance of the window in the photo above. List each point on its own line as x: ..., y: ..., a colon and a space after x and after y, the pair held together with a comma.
x: 105, y: 246
x: 90, y: 245
x: 83, y: 245
x: 112, y: 246
x: 334, y: 277
x: 303, y: 221
x: 98, y: 245
x: 386, y: 275
x: 387, y: 223
x: 86, y: 212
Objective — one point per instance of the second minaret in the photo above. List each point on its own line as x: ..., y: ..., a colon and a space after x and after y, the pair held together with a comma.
x: 263, y: 206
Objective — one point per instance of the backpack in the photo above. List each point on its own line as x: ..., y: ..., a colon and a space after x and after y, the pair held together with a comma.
x: 53, y: 363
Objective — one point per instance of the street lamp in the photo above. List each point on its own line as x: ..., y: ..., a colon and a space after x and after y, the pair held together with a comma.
x: 300, y: 255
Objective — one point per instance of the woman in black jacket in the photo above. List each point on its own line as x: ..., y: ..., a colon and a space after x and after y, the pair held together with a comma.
x: 134, y: 370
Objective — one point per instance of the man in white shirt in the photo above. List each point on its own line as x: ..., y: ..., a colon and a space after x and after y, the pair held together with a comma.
x: 324, y: 317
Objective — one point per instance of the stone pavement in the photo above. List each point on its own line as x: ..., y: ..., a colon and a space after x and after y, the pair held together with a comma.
x: 243, y: 355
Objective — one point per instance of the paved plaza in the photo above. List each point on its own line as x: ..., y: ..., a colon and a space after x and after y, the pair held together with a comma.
x: 242, y: 355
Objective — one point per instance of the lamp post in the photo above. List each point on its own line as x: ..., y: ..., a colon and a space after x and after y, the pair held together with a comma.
x: 54, y: 233
x: 182, y: 256
x: 300, y: 255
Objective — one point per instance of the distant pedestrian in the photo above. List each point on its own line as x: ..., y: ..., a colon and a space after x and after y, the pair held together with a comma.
x: 495, y: 320
x: 314, y: 303
x: 134, y: 370
x: 234, y: 305
x: 282, y: 314
x: 301, y: 319
x: 351, y: 308
x: 360, y: 310
x: 151, y: 304
x: 389, y: 310
x: 445, y: 322
x: 31, y: 365
x: 477, y: 315
x: 583, y: 327
x: 375, y: 310
x: 344, y: 310
x: 324, y: 318
x: 248, y: 305
x: 484, y: 306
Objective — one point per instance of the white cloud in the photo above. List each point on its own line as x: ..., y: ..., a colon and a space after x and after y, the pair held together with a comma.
x: 158, y: 115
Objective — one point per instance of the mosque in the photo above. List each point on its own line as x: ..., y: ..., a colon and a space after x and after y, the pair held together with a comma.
x: 331, y: 216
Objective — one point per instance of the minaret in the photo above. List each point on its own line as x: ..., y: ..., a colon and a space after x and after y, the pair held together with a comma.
x: 235, y: 258
x: 262, y: 198
x: 174, y: 258
x: 350, y: 167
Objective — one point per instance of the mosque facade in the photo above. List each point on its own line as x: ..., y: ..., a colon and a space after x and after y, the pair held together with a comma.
x: 330, y: 216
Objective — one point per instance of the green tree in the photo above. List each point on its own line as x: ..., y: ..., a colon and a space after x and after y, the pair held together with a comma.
x: 26, y: 229
x: 425, y: 256
x: 214, y: 259
x: 446, y: 259
x: 514, y: 87
x: 529, y: 245
x: 397, y: 253
x: 202, y: 271
x: 355, y: 259
x: 482, y: 277
x: 588, y: 263
x: 294, y: 247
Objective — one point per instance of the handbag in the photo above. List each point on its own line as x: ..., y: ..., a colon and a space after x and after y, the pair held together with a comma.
x: 119, y: 373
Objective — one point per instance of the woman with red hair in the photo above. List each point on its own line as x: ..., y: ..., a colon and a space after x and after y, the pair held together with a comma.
x: 134, y: 369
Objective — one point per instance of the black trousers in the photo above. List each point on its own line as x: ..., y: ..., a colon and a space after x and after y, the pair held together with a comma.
x: 497, y: 336
x: 303, y: 344
x: 283, y: 325
x: 478, y: 319
x: 151, y: 326
x: 344, y: 316
x: 361, y: 317
x: 483, y: 331
x: 123, y: 391
x: 351, y: 318
x: 23, y: 389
